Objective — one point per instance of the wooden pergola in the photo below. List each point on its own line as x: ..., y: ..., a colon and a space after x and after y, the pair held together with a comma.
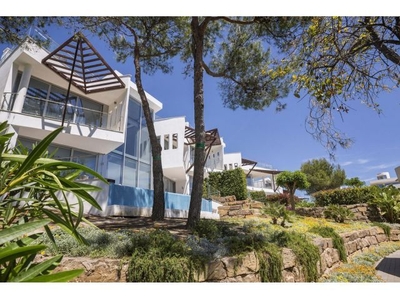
x: 78, y: 62
x: 212, y: 139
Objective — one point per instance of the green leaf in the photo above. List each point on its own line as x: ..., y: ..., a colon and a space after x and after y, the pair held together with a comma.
x: 58, y: 277
x: 37, y: 152
x: 38, y: 269
x: 16, y: 231
x: 11, y: 254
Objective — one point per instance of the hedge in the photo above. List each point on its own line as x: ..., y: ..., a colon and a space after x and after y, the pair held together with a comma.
x: 228, y: 183
x: 346, y: 196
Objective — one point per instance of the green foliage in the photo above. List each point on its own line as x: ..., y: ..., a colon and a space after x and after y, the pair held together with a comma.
x: 211, y: 229
x: 306, y: 252
x: 33, y: 193
x: 292, y: 181
x: 345, y: 196
x: 229, y: 183
x: 277, y: 211
x: 338, y: 243
x: 100, y: 243
x: 354, y: 182
x: 386, y: 228
x: 282, y: 198
x: 258, y: 196
x: 161, y: 257
x: 304, y: 203
x: 388, y: 202
x: 271, y: 263
x: 17, y: 254
x: 322, y: 175
x: 338, y: 213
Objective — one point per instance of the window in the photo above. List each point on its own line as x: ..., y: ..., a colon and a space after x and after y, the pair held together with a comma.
x: 35, y: 97
x: 166, y: 141
x: 175, y: 141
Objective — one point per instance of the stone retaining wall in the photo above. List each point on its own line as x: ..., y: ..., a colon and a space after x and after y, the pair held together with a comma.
x: 238, y: 208
x: 362, y: 212
x: 245, y: 269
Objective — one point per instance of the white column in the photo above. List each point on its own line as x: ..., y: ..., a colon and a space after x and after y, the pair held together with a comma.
x: 23, y: 88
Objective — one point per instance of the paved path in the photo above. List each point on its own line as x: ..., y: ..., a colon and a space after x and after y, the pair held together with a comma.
x: 389, y: 267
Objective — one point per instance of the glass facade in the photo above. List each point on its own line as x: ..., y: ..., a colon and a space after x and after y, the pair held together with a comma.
x: 43, y: 99
x: 130, y: 164
x: 67, y: 154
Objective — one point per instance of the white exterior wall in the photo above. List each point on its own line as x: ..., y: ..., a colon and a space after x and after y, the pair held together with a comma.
x: 232, y: 159
x: 79, y: 136
x: 172, y: 159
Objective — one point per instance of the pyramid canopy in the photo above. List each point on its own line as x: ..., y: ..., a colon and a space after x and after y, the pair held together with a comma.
x: 78, y: 62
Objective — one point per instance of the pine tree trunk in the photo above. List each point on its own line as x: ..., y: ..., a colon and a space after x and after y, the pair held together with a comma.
x: 158, y: 211
x: 199, y: 154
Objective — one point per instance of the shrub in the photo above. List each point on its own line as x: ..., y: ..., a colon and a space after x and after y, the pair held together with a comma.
x: 338, y: 213
x: 387, y: 200
x: 211, y: 229
x: 229, y: 183
x: 345, y: 196
x: 258, y: 196
x: 282, y: 198
x: 277, y: 211
x: 161, y: 257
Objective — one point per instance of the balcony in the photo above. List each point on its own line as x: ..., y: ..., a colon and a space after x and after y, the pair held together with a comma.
x: 86, y: 129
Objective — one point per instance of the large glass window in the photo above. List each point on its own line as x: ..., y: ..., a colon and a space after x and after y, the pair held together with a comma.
x: 86, y: 159
x: 114, y: 167
x: 43, y: 99
x: 56, y: 103
x: 133, y: 128
x: 144, y: 176
x: 130, y: 172
x: 145, y: 149
x: 35, y: 97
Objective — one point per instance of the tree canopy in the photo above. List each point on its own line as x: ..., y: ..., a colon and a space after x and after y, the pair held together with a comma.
x: 292, y: 181
x: 354, y: 182
x: 338, y: 60
x: 322, y: 175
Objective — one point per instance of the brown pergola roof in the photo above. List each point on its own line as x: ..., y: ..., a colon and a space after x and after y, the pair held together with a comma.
x: 78, y: 62
x: 212, y: 137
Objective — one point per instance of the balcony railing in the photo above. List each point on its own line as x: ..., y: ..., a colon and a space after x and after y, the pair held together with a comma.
x: 260, y: 183
x: 40, y: 107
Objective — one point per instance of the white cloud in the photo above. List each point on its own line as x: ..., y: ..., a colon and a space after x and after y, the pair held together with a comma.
x: 381, y: 166
x: 346, y: 163
x: 362, y: 161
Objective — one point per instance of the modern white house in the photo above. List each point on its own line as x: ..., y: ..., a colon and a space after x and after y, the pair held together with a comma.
x: 177, y: 141
x: 383, y: 179
x: 71, y: 85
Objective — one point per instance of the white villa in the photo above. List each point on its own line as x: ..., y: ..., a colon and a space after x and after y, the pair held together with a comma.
x: 100, y: 109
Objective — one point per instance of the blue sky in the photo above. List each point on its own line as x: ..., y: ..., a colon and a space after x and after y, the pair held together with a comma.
x: 277, y: 138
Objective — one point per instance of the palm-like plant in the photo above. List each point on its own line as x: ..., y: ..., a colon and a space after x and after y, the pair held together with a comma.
x: 34, y: 193
x: 277, y: 211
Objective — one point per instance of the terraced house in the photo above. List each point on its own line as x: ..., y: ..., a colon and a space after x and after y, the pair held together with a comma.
x: 71, y: 85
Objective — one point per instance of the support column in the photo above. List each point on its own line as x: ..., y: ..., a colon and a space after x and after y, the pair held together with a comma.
x: 23, y: 88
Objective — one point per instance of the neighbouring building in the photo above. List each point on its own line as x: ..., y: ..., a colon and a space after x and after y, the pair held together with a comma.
x: 383, y: 179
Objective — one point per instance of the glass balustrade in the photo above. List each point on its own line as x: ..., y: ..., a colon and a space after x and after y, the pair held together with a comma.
x: 40, y: 107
